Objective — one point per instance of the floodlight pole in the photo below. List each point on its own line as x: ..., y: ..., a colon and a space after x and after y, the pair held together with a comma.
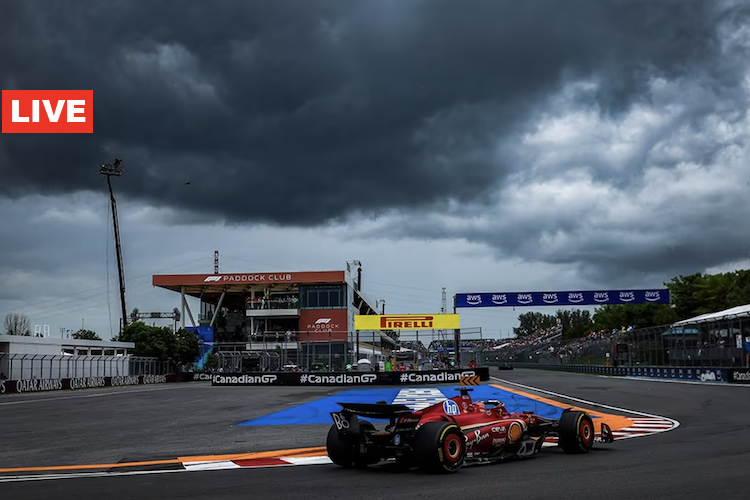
x: 109, y: 170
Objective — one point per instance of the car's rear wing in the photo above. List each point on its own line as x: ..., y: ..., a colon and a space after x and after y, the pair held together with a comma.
x: 346, y: 420
x: 376, y: 410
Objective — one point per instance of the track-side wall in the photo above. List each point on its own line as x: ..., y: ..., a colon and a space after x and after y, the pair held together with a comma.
x: 696, y: 374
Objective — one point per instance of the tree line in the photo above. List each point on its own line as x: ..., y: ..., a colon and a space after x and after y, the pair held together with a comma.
x: 690, y: 296
x: 181, y: 346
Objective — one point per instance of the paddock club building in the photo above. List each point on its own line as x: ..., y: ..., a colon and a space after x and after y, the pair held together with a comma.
x: 307, y: 315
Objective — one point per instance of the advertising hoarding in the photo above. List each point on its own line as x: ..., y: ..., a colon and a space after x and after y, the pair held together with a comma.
x: 579, y: 298
x: 407, y: 322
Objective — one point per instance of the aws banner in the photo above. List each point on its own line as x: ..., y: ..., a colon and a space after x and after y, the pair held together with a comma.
x: 585, y: 298
x: 407, y: 322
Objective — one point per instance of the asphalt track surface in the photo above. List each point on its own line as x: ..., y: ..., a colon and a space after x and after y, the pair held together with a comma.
x: 708, y: 456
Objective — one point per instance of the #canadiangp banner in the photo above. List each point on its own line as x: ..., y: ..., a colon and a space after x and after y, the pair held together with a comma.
x: 348, y: 378
x: 407, y: 322
x: 585, y: 298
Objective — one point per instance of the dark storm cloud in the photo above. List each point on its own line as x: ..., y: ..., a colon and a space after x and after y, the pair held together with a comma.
x: 32, y: 232
x: 298, y: 112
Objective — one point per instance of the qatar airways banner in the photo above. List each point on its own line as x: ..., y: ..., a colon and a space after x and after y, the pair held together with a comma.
x: 73, y: 384
x: 584, y: 298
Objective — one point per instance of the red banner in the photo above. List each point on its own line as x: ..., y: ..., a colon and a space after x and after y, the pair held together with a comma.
x: 323, y: 325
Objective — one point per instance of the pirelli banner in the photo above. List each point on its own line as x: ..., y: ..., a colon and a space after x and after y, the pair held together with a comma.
x: 349, y: 378
x: 407, y: 322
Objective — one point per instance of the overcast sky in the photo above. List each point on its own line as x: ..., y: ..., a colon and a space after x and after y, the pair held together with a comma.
x: 474, y: 145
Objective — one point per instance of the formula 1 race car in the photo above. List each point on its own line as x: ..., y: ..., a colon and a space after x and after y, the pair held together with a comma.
x: 443, y: 437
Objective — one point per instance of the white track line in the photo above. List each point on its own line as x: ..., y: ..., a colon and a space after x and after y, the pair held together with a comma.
x: 49, y: 477
x: 308, y: 460
x: 218, y: 465
x: 591, y: 403
x: 662, y: 425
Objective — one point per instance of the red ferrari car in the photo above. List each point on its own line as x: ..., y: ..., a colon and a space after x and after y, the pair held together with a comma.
x: 447, y: 435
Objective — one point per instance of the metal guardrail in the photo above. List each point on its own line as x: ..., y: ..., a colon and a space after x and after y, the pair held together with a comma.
x: 47, y: 366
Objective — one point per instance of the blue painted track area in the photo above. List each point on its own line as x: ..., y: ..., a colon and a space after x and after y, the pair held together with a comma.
x: 318, y: 411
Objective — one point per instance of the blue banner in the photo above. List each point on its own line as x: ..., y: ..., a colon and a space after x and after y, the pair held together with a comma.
x: 205, y: 336
x: 586, y: 298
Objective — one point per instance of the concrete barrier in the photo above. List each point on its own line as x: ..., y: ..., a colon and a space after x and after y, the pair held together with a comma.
x: 695, y: 373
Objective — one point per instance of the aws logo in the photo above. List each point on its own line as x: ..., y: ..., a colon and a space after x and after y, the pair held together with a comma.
x: 601, y: 296
x: 549, y: 298
x: 474, y: 300
x: 499, y: 298
x: 575, y: 297
x: 525, y: 298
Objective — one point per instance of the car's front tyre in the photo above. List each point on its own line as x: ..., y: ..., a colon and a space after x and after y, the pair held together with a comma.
x: 576, y: 432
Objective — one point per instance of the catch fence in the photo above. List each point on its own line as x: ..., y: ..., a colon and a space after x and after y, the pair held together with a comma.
x: 15, y: 366
x: 709, y: 344
x: 335, y: 351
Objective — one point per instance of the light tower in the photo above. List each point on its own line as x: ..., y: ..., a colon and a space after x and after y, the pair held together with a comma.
x: 109, y: 170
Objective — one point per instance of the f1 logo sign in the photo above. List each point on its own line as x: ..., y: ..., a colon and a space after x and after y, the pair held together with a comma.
x: 48, y: 111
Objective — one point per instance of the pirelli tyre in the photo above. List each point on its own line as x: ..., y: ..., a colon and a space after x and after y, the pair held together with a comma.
x: 439, y: 447
x: 343, y: 450
x: 576, y: 432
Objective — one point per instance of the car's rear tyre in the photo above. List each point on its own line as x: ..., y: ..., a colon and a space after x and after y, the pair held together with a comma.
x: 343, y: 449
x: 576, y: 432
x: 439, y: 447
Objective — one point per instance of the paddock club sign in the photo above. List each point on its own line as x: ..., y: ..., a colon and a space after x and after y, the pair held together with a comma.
x: 585, y: 298
x: 348, y: 378
x: 407, y: 322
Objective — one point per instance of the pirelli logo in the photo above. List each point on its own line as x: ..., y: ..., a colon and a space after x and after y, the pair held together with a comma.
x: 407, y: 322
x: 401, y: 322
